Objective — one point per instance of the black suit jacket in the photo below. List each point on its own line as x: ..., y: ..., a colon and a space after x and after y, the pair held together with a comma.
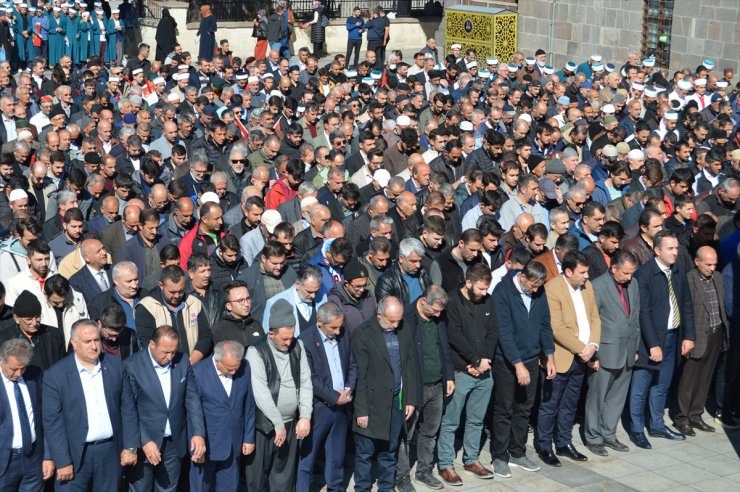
x: 113, y: 237
x: 87, y: 285
x: 655, y: 308
x: 374, y: 394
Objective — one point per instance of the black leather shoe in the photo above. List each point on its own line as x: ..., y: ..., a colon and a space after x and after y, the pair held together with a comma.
x: 548, y: 457
x: 640, y: 440
x: 617, y: 446
x: 598, y: 449
x: 701, y: 425
x: 668, y: 434
x: 571, y: 452
x: 686, y: 430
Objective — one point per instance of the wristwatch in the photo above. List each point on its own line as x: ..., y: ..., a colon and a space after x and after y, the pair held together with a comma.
x: 132, y: 450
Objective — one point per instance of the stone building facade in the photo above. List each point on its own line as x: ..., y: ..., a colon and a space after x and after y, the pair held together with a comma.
x: 576, y: 29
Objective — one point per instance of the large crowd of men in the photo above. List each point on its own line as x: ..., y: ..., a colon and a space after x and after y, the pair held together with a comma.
x: 270, y: 274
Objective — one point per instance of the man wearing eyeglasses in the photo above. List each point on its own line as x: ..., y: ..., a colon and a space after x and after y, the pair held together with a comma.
x: 48, y: 342
x: 236, y: 322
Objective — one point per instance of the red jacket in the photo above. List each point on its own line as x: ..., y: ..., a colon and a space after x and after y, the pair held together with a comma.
x: 195, y: 242
x: 279, y: 194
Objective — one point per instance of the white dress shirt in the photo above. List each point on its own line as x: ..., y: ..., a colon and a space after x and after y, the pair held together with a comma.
x: 9, y: 124
x: 584, y: 327
x: 99, y: 426
x: 165, y: 382
x: 667, y: 272
x: 226, y: 380
x: 10, y: 391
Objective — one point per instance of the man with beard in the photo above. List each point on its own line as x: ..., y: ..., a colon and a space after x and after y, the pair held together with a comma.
x: 450, y: 163
x: 246, y: 217
x: 395, y: 159
x: 600, y: 253
x: 612, y: 188
x: 115, y: 337
x: 472, y: 329
x: 487, y: 156
x: 72, y: 226
x: 226, y: 262
x: 236, y: 322
x: 32, y: 279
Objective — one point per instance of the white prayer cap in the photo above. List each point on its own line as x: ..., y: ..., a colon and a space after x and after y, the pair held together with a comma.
x: 635, y: 154
x: 597, y: 67
x: 491, y: 61
x: 208, y: 197
x: 403, y: 120
x: 253, y: 79
x: 650, y: 92
x: 428, y: 55
x: 114, y: 79
x: 173, y: 97
x: 529, y: 60
x: 17, y: 195
x: 72, y: 11
x: 242, y: 76
x: 648, y: 62
x: 526, y: 117
x: 708, y: 64
x: 608, y: 108
x: 596, y: 58
x: 456, y: 46
x: 638, y: 86
x: 721, y: 84
x: 483, y: 74
x: 684, y: 85
x: 137, y: 71
x: 158, y: 80
x: 115, y: 11
x: 351, y: 74
x: 548, y: 70
x: 671, y: 116
x: 57, y: 9
x: 179, y: 76
x: 277, y: 93
x: 268, y: 75
x: 466, y: 126
x: 472, y: 64
x: 382, y: 177
x: 699, y: 82
x: 183, y: 67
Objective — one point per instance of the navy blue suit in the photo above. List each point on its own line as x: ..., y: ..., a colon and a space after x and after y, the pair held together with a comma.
x: 330, y: 422
x: 229, y: 422
x: 87, y: 285
x: 147, y: 419
x: 650, y: 380
x: 66, y: 425
x: 19, y: 472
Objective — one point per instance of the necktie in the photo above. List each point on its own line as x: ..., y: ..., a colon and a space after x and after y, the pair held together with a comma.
x: 27, y: 442
x: 674, y: 301
x: 626, y: 305
x: 103, y: 281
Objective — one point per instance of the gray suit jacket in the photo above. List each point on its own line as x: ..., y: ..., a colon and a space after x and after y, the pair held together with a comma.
x: 620, y: 335
x: 701, y: 312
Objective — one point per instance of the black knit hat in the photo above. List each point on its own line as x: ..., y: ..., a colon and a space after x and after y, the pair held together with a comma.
x: 27, y: 305
x: 353, y: 270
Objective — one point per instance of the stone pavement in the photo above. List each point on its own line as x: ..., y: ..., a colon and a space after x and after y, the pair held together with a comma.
x: 708, y: 462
